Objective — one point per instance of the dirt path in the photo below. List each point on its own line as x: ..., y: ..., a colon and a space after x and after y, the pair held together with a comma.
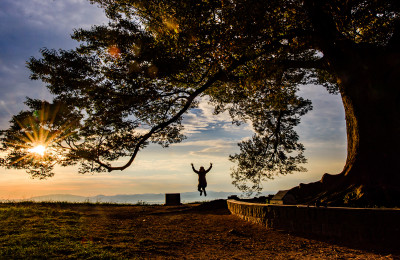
x: 202, y: 232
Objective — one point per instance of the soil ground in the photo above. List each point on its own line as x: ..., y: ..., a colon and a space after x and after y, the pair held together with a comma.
x: 189, y: 231
x: 206, y: 231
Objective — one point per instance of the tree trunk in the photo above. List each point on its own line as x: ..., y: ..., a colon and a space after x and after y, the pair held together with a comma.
x: 369, y: 83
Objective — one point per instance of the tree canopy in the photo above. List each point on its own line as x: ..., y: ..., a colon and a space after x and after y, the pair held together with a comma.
x: 130, y: 82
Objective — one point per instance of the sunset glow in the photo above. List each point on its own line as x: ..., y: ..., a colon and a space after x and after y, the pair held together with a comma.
x: 40, y: 150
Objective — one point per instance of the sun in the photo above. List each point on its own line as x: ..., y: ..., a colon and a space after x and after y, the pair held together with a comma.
x: 39, y: 149
x: 38, y: 139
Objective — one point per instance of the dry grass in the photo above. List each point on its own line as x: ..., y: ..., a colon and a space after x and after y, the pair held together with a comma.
x: 192, y: 231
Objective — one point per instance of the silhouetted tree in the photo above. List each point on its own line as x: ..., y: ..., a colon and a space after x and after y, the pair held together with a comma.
x: 131, y: 81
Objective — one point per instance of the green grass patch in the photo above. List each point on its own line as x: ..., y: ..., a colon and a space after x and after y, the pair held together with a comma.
x: 52, y: 230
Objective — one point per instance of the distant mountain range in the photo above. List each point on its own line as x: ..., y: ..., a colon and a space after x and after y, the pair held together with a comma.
x: 148, y: 198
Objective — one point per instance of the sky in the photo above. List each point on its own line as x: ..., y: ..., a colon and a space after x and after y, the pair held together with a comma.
x: 28, y: 25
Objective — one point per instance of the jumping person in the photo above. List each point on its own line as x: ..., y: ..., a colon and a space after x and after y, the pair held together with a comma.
x: 202, y: 179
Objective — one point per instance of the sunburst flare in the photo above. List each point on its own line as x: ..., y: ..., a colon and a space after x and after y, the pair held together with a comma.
x: 37, y: 137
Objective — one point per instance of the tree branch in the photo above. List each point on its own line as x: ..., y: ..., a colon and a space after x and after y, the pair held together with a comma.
x: 190, y: 99
x: 394, y: 41
x: 326, y: 33
x: 302, y: 64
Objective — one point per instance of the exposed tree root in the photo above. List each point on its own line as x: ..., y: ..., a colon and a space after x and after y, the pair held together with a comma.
x: 341, y: 190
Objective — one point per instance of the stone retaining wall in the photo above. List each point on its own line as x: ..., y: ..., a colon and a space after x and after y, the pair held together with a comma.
x: 377, y: 226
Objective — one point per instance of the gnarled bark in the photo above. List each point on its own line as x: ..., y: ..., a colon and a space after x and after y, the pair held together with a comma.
x: 369, y: 83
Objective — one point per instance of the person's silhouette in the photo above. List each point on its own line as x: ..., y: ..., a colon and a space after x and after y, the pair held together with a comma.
x: 202, y: 178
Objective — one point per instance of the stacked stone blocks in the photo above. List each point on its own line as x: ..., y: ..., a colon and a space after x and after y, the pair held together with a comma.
x: 360, y: 225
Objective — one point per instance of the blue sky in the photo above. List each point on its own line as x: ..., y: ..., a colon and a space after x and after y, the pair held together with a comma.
x: 28, y: 25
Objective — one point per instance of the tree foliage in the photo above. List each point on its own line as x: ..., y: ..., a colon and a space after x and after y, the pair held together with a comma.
x: 130, y: 82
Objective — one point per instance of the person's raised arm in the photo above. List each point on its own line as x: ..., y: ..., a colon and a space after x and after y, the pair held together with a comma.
x: 194, y: 168
x: 209, y: 168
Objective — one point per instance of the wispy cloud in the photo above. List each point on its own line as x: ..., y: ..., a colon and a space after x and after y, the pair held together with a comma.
x: 202, y: 143
x: 48, y: 14
x: 326, y: 121
x: 203, y: 118
x: 25, y: 27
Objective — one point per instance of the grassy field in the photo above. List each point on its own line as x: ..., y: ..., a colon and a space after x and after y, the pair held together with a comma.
x: 35, y: 230
x: 190, y: 231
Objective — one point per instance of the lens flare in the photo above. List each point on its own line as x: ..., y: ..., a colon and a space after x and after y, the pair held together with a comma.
x: 114, y: 51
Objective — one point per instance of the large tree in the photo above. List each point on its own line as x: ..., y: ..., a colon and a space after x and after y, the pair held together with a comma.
x: 130, y: 82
